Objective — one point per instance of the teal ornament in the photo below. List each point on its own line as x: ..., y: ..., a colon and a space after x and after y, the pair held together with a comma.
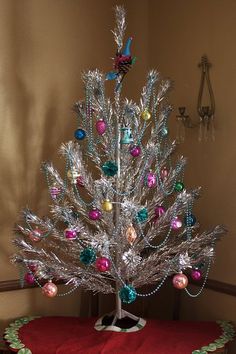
x: 142, y: 215
x: 126, y: 136
x: 87, y: 256
x: 110, y: 168
x: 164, y: 132
x: 127, y: 294
x: 190, y: 220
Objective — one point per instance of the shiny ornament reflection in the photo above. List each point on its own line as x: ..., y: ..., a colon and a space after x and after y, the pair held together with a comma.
x: 176, y: 223
x: 196, y: 274
x: 70, y: 234
x: 135, y: 150
x: 94, y: 214
x: 107, y: 205
x: 146, y: 115
x: 150, y: 180
x: 49, y: 289
x: 103, y: 264
x: 180, y: 281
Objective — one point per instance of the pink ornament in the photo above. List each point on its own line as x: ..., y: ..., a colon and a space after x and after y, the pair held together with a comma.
x: 54, y: 191
x: 103, y: 264
x: 49, y: 289
x: 164, y: 173
x: 80, y: 181
x: 176, y: 223
x: 33, y: 266
x: 101, y: 126
x: 94, y: 214
x: 70, y: 234
x: 196, y: 274
x: 35, y: 235
x: 151, y: 180
x: 159, y: 210
x: 135, y: 150
x: 180, y: 281
x: 29, y: 278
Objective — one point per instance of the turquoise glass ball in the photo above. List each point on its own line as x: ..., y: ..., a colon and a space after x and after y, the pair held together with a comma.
x: 127, y: 294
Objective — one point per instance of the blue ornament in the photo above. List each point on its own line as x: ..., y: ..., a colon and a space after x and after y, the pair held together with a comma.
x: 87, y: 256
x: 110, y: 168
x: 164, y: 132
x: 142, y: 215
x: 190, y: 220
x: 127, y: 294
x: 112, y: 75
x: 126, y: 136
x: 79, y: 134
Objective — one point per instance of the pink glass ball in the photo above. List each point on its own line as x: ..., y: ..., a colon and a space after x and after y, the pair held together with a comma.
x: 49, y: 289
x: 33, y: 266
x: 103, y: 264
x: 196, y: 274
x: 101, y: 126
x: 54, y: 191
x: 35, y: 235
x: 159, y: 210
x: 164, y: 173
x: 70, y: 234
x: 29, y: 278
x: 176, y: 223
x: 94, y: 214
x: 135, y: 150
x: 80, y: 181
x: 180, y: 281
x: 151, y: 180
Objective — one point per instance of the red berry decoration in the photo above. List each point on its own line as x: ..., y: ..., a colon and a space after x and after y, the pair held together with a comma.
x: 103, y: 264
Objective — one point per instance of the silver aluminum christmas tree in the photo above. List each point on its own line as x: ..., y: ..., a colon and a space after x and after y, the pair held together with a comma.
x: 121, y: 217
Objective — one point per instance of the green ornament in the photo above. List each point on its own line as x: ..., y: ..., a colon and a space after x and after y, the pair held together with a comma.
x: 179, y: 186
x: 142, y: 215
x: 88, y: 256
x: 110, y: 168
x: 127, y: 294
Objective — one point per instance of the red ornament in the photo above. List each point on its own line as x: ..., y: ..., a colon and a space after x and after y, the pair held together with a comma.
x: 70, y: 234
x: 33, y: 266
x: 80, y: 181
x: 196, y: 274
x: 101, y: 126
x: 29, y: 278
x: 135, y: 150
x: 36, y: 235
x: 180, y: 281
x: 49, y: 289
x: 103, y: 264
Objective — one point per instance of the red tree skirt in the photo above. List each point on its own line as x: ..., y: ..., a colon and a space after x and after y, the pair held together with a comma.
x: 72, y: 335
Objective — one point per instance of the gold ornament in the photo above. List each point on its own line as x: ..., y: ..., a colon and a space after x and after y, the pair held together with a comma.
x: 107, y: 205
x: 131, y: 234
x: 146, y: 115
x: 73, y: 174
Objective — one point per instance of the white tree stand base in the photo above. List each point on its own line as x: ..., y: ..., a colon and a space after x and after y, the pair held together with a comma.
x: 99, y: 326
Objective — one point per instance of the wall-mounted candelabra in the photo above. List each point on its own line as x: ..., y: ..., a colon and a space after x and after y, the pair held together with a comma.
x: 205, y: 112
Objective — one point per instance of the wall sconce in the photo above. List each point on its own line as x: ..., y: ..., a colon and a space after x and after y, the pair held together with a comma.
x: 206, y: 113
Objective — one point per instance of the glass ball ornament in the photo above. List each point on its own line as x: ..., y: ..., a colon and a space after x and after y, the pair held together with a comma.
x: 190, y: 220
x: 73, y: 174
x: 196, y: 274
x: 29, y: 278
x: 80, y: 181
x: 110, y: 168
x: 176, y: 223
x: 164, y: 173
x: 179, y: 186
x: 101, y: 126
x: 87, y: 256
x: 70, y: 234
x: 36, y: 235
x: 79, y: 134
x: 32, y: 266
x: 54, y: 192
x: 103, y: 264
x: 131, y: 234
x: 135, y: 150
x: 164, y: 132
x: 142, y: 215
x: 107, y: 205
x: 159, y: 210
x: 180, y: 281
x: 146, y: 115
x: 49, y: 289
x: 127, y: 294
x: 151, y: 180
x: 94, y: 214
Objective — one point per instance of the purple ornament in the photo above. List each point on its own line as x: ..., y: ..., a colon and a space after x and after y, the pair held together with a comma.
x: 94, y: 214
x: 29, y: 278
x: 196, y: 274
x: 151, y: 180
x: 103, y: 264
x: 70, y: 234
x: 176, y: 223
x: 33, y: 266
x: 101, y: 126
x: 135, y: 150
x: 159, y: 210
